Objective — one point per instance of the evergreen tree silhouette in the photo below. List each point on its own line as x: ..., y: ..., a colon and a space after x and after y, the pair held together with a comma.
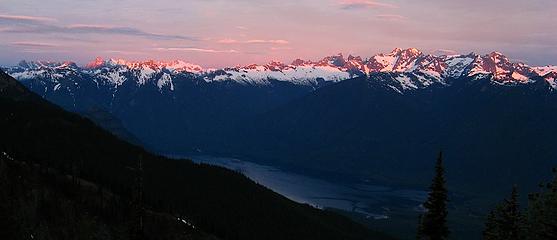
x: 138, y: 209
x: 542, y: 212
x: 506, y: 222
x: 433, y: 223
x: 491, y: 231
x: 8, y: 226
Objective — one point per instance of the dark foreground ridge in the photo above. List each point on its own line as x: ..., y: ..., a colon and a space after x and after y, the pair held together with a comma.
x: 66, y: 178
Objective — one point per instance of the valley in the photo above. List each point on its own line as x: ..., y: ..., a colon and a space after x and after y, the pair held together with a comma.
x: 278, y: 120
x: 349, y: 135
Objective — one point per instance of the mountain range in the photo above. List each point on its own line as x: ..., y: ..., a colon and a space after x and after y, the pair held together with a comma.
x: 63, y: 177
x: 413, y: 69
x: 382, y: 117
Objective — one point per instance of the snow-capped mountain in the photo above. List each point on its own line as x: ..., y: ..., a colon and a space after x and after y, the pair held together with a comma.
x: 366, y: 111
x: 159, y: 101
x: 408, y: 68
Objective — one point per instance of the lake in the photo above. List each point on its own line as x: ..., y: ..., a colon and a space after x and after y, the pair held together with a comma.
x: 374, y: 202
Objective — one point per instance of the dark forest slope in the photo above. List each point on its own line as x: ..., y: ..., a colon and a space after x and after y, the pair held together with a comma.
x: 218, y: 201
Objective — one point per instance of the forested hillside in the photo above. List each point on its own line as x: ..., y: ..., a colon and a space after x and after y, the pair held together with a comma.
x: 66, y: 158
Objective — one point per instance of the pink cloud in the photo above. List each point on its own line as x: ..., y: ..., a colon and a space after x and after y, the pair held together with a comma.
x: 43, y: 25
x: 41, y: 51
x: 34, y: 44
x: 91, y: 26
x: 279, y: 41
x: 281, y: 48
x: 444, y: 52
x: 391, y: 17
x: 23, y: 18
x: 201, y: 50
x: 254, y: 41
x: 123, y: 52
x: 227, y: 41
x: 359, y: 4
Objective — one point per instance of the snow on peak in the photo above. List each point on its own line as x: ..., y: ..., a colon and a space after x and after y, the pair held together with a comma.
x: 179, y: 65
x: 542, y: 71
x: 456, y: 65
x: 549, y: 74
x: 116, y: 71
x: 45, y: 64
x: 498, y: 57
x: 395, y: 51
x: 300, y: 62
x: 502, y: 69
x: 412, y: 68
x: 98, y: 62
x: 299, y: 72
x: 398, y: 60
x: 333, y: 61
x: 174, y: 65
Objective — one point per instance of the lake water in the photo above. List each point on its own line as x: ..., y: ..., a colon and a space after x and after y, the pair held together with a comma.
x: 361, y: 197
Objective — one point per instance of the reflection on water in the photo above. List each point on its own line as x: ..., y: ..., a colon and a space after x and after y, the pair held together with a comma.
x: 361, y: 197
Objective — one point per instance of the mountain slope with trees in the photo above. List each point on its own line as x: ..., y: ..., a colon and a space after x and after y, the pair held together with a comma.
x: 220, y: 202
x: 500, y: 134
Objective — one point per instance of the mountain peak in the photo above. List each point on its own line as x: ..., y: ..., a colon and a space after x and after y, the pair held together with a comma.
x: 276, y: 66
x: 152, y: 64
x: 498, y: 57
x: 335, y: 60
x: 98, y: 62
x: 413, y: 51
x: 395, y: 51
x: 405, y: 52
x: 354, y: 58
x: 300, y: 62
x: 45, y: 64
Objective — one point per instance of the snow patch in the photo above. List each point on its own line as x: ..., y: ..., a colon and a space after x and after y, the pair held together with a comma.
x: 519, y: 77
x: 406, y: 82
x: 165, y: 80
x: 303, y: 75
x: 542, y: 71
x: 457, y: 65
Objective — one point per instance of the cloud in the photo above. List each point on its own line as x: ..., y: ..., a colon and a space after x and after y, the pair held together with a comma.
x: 364, y: 4
x: 445, y: 52
x: 391, y: 17
x: 254, y: 41
x: 281, y: 48
x: 227, y: 41
x: 201, y: 50
x: 100, y: 29
x: 279, y: 41
x: 123, y: 52
x: 41, y: 51
x: 34, y: 44
x: 42, y: 25
x: 24, y: 19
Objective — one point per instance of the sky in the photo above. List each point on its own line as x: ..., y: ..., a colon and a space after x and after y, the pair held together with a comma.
x: 218, y: 33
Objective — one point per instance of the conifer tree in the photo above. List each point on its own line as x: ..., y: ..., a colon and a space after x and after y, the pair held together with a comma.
x: 138, y: 209
x: 512, y: 220
x: 542, y: 212
x: 491, y: 231
x: 8, y: 227
x: 506, y: 222
x: 433, y: 223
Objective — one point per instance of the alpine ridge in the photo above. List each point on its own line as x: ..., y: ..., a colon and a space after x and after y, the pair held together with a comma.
x: 408, y: 68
